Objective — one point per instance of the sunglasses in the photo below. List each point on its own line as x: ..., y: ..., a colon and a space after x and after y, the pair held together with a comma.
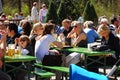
x: 22, y: 40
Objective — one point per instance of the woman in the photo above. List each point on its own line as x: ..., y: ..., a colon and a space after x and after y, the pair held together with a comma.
x: 79, y: 39
x: 26, y: 28
x: 79, y: 35
x: 42, y: 45
x: 108, y: 38
x: 36, y: 33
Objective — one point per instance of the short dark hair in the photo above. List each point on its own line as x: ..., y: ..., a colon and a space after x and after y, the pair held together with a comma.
x: 48, y: 28
x: 13, y: 26
x: 113, y: 20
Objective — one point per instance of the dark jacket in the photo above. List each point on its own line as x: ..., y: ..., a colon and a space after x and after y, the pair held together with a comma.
x: 113, y: 43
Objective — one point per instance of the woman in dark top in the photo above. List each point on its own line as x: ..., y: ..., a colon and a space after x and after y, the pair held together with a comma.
x: 79, y: 39
x: 36, y: 33
x: 108, y: 38
x: 78, y: 33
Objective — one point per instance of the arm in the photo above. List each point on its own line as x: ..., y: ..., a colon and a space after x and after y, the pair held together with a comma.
x: 2, y: 46
x: 71, y: 34
x: 58, y: 44
x: 81, y: 37
x: 40, y: 14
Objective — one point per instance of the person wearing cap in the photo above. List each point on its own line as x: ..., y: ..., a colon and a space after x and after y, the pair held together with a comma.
x: 34, y: 13
x: 42, y: 13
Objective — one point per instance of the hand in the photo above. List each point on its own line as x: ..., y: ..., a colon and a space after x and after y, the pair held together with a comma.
x: 3, y: 34
x: 17, y: 40
x: 54, y: 52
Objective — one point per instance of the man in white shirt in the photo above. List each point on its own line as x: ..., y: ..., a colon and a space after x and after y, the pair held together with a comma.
x: 34, y: 13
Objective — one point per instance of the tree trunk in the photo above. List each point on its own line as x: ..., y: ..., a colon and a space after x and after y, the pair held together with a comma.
x: 19, y: 5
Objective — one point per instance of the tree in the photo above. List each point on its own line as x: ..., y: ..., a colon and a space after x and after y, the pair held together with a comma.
x: 90, y: 13
x: 61, y: 11
x: 52, y: 13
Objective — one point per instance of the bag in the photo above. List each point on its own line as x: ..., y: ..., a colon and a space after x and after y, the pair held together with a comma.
x: 52, y: 60
x: 100, y: 48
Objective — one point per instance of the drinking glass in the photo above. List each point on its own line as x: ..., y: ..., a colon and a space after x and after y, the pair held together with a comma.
x: 11, y: 50
x: 73, y: 42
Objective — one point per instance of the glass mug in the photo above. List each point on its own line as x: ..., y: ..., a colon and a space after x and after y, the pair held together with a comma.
x: 89, y: 45
x: 18, y: 50
x: 11, y: 50
x: 73, y: 44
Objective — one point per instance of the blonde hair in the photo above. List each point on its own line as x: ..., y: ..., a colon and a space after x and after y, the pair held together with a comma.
x: 103, y: 28
x: 35, y: 26
x: 66, y: 20
x: 78, y: 24
x: 26, y: 38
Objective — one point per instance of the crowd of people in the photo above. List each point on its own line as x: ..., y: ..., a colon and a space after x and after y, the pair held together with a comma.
x: 37, y: 37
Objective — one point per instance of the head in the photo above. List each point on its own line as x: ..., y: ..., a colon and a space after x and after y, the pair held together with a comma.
x: 24, y: 41
x: 103, y: 30
x: 115, y: 21
x: 85, y: 24
x: 26, y: 27
x: 43, y: 6
x: 2, y: 26
x: 77, y: 26
x: 35, y: 4
x: 104, y: 21
x: 12, y: 29
x: 66, y: 23
x: 52, y: 21
x: 37, y: 29
x: 49, y: 28
x: 90, y: 24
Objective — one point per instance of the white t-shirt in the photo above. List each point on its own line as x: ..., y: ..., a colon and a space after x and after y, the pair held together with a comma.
x: 34, y: 13
x: 42, y: 46
x: 43, y: 12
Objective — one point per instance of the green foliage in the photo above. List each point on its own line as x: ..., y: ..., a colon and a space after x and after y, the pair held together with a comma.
x: 52, y: 13
x: 9, y: 10
x: 89, y: 13
x: 61, y: 11
x: 25, y: 9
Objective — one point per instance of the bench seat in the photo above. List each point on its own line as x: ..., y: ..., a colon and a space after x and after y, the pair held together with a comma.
x: 43, y: 74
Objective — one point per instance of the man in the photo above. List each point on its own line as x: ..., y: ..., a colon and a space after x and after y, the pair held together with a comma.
x: 114, y: 25
x: 3, y: 34
x: 34, y: 13
x: 12, y: 33
x: 66, y: 28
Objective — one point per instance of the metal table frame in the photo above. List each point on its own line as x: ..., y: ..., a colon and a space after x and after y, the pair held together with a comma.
x: 91, y: 53
x: 24, y: 59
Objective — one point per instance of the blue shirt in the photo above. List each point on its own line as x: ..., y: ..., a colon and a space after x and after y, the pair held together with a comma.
x: 91, y: 35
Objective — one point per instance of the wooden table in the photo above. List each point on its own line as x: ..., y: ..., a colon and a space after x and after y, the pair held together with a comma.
x: 91, y: 53
x: 24, y: 59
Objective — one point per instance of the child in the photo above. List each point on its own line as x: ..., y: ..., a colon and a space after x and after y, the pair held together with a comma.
x: 24, y: 42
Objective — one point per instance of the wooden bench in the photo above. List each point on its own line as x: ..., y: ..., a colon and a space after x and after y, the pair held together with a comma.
x: 64, y: 70
x: 43, y: 74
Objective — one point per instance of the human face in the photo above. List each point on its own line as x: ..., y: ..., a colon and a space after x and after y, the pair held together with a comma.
x: 39, y: 30
x: 66, y: 25
x: 23, y: 43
